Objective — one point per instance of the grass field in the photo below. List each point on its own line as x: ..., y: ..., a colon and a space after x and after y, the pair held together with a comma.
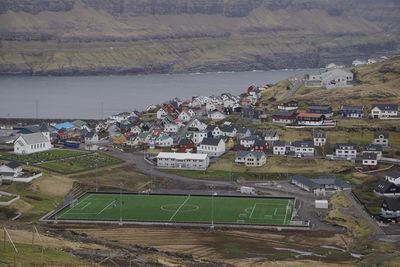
x: 79, y: 164
x: 180, y: 208
x: 54, y: 154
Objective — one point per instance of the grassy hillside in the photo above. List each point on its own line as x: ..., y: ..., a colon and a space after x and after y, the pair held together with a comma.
x: 376, y: 83
x: 139, y: 36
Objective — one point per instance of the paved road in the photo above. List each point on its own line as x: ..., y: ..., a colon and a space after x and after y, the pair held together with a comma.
x: 295, y: 83
x: 146, y: 168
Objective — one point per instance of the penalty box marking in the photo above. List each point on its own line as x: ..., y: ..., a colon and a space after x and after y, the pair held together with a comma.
x: 265, y: 204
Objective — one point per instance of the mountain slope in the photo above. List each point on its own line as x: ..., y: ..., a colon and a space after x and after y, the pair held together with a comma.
x: 139, y: 36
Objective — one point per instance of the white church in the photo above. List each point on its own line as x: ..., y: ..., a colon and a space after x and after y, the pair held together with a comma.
x: 32, y: 143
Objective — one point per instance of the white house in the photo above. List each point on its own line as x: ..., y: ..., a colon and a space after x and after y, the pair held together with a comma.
x: 229, y: 131
x: 182, y: 161
x: 393, y: 177
x: 119, y: 117
x: 91, y: 138
x: 279, y: 148
x: 201, y: 126
x: 184, y: 116
x: 11, y: 169
x: 377, y: 149
x: 31, y: 143
x: 319, y: 138
x: 303, y: 148
x: 215, y: 130
x: 271, y: 136
x: 197, y: 137
x: 333, y: 78
x: 210, y: 106
x: 390, y: 208
x: 229, y: 103
x: 171, y: 128
x: 370, y: 161
x: 251, y: 158
x: 249, y: 141
x: 136, y: 129
x: 161, y: 113
x: 132, y: 141
x: 164, y: 141
x: 216, y: 115
x: 384, y: 111
x: 381, y: 139
x: 214, y: 147
x: 348, y: 151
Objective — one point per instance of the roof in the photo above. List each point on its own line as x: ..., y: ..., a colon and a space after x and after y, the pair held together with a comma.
x: 255, y: 154
x: 228, y: 128
x: 372, y: 156
x: 34, y: 138
x: 181, y: 156
x: 211, y: 127
x: 270, y: 133
x: 384, y: 186
x: 303, y: 144
x: 242, y: 130
x: 65, y: 125
x: 321, y: 107
x: 13, y: 164
x: 373, y: 147
x: 278, y: 143
x: 387, y: 107
x: 185, y: 141
x: 283, y: 113
x: 342, y: 145
x: 394, y: 174
x: 352, y: 108
x: 391, y: 204
x: 309, y: 115
x: 78, y: 123
x: 90, y: 134
x: 319, y: 134
x: 211, y: 141
x: 251, y: 138
x: 302, y: 180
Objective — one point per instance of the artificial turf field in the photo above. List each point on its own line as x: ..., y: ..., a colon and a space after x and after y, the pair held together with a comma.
x: 179, y: 208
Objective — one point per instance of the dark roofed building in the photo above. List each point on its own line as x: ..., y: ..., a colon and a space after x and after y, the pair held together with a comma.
x: 352, y: 111
x: 391, y: 208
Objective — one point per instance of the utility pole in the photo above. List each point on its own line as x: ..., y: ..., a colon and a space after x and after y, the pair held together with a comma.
x: 37, y: 108
x: 120, y: 203
x: 102, y: 110
x: 97, y: 183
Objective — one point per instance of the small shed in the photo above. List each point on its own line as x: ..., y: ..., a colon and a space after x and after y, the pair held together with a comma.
x: 321, y: 204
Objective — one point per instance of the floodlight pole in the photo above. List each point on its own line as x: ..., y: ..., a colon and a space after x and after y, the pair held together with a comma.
x: 97, y: 183
x: 120, y: 203
x: 212, y: 206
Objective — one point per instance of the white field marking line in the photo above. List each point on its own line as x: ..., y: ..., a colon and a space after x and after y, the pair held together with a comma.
x: 254, y: 207
x: 69, y: 209
x: 276, y: 209
x: 112, y: 202
x: 287, y: 206
x: 87, y: 204
x: 176, y: 212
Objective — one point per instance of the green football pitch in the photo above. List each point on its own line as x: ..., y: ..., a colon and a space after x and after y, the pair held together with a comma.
x: 179, y: 209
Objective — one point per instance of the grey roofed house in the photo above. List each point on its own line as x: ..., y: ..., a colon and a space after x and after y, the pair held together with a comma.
x: 320, y: 109
x: 372, y: 147
x: 385, y: 187
x: 352, y: 109
x: 228, y: 128
x: 270, y: 133
x: 251, y: 138
x: 394, y: 174
x: 79, y: 123
x: 185, y: 141
x: 370, y: 156
x: 303, y: 144
x: 392, y: 204
x: 256, y: 154
x: 242, y: 130
x: 319, y: 134
x: 89, y: 134
x: 34, y: 138
x: 386, y: 107
x: 211, y: 141
x: 282, y: 113
x: 13, y: 164
x: 385, y: 134
x: 211, y: 127
x: 321, y: 182
x: 305, y: 181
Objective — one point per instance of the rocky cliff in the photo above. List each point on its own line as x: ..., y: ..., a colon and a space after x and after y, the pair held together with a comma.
x: 64, y: 37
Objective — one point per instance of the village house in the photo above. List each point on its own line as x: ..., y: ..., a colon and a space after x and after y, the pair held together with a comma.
x: 381, y: 139
x: 117, y: 117
x: 377, y: 149
x: 320, y: 186
x: 215, y: 130
x: 216, y: 115
x: 303, y: 148
x: 144, y: 137
x: 31, y: 143
x: 185, y: 116
x: 201, y: 126
x: 334, y: 78
x: 249, y: 141
x: 11, y: 169
x: 91, y: 138
x: 198, y: 136
x: 324, y: 110
x: 230, y: 103
x: 289, y: 106
x: 369, y: 161
x: 384, y: 111
x: 187, y: 161
x: 214, y: 147
x: 242, y: 132
x: 136, y: 130
x: 186, y: 145
x: 271, y: 136
x: 229, y: 131
x: 161, y: 113
x: 283, y: 117
x: 171, y: 128
x: 279, y: 148
x: 164, y: 141
x: 256, y: 115
x: 386, y: 189
x: 352, y: 111
x: 310, y: 119
x: 260, y: 146
x: 391, y: 208
x: 319, y: 138
x: 132, y: 141
x: 347, y: 151
x: 393, y: 177
x: 81, y: 125
x: 250, y: 158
